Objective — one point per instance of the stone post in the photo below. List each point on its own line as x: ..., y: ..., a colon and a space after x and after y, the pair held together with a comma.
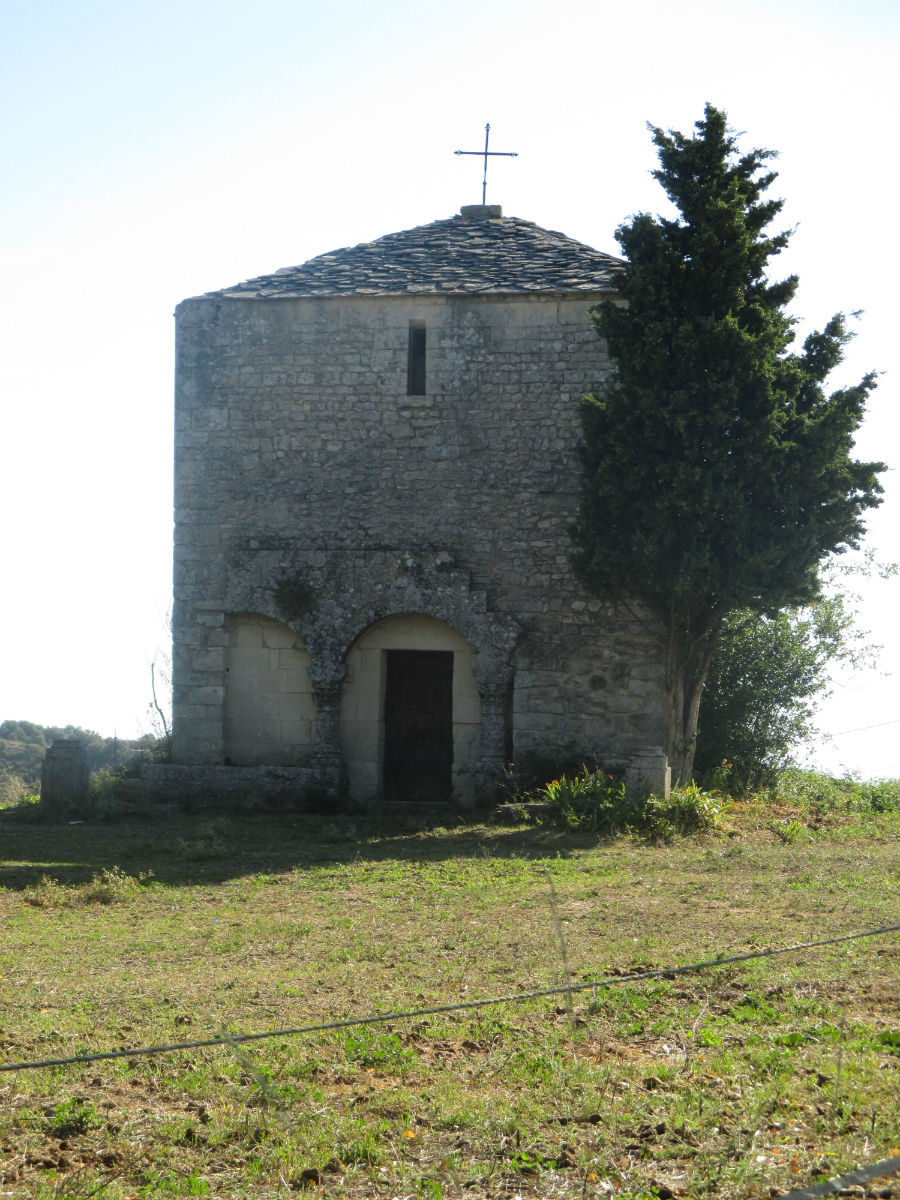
x: 64, y: 776
x: 648, y: 773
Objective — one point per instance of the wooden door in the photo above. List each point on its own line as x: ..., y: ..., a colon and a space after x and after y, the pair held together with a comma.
x: 418, y: 725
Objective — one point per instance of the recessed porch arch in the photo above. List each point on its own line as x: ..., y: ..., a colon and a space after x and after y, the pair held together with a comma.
x: 406, y: 659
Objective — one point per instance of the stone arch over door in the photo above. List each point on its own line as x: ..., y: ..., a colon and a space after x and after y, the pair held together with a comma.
x: 406, y: 646
x: 270, y: 705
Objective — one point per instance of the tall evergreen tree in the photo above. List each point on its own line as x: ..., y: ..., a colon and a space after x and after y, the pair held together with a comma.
x: 717, y: 472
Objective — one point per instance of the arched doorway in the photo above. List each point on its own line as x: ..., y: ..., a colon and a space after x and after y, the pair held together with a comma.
x: 411, y: 712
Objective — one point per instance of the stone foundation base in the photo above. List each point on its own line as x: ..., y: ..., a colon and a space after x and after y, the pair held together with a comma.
x: 301, y: 788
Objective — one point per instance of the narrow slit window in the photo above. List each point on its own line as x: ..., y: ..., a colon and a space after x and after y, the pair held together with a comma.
x: 415, y: 372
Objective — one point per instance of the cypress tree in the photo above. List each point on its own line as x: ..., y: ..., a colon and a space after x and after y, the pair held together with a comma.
x: 717, y: 471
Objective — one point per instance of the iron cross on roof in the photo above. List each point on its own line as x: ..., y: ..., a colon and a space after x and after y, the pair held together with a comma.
x: 487, y: 154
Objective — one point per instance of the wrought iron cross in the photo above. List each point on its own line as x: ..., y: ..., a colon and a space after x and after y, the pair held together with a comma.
x: 487, y: 154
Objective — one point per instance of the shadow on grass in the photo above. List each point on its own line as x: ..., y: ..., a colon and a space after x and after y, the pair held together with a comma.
x: 213, y: 846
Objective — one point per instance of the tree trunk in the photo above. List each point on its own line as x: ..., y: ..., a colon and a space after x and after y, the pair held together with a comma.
x: 687, y: 665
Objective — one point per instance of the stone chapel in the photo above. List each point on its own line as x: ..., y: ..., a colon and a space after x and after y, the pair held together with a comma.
x: 376, y: 470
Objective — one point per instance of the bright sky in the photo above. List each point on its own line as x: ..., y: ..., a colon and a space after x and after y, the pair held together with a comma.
x: 156, y: 151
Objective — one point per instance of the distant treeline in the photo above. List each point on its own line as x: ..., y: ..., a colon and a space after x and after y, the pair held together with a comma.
x: 23, y: 745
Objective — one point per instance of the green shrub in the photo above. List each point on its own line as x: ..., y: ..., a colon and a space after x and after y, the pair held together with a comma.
x: 763, y: 685
x: 592, y: 799
x: 691, y: 809
x: 596, y: 801
x: 523, y: 778
x: 102, y: 789
x: 809, y: 790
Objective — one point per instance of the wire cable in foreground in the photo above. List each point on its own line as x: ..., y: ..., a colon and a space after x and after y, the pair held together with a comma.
x: 437, y: 1009
x: 879, y: 1170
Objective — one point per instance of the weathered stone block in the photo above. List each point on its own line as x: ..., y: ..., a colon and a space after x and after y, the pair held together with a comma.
x: 648, y: 772
x: 64, y: 777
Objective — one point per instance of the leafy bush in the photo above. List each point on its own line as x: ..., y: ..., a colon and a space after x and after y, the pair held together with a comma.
x: 596, y: 801
x: 690, y: 809
x: 102, y: 789
x: 762, y: 686
x: 770, y: 672
x: 592, y: 799
x: 808, y: 790
x: 524, y: 777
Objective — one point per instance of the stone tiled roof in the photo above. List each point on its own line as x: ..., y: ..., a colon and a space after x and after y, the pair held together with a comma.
x: 477, y: 253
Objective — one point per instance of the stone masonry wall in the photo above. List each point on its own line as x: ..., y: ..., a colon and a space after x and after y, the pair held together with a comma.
x: 311, y: 489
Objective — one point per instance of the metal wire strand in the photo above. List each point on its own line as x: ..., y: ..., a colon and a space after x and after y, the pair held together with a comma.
x: 879, y: 1170
x: 435, y: 1010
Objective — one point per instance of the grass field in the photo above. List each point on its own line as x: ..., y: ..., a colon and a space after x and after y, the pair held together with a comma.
x: 738, y: 1081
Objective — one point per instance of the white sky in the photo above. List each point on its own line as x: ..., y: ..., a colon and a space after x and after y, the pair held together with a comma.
x: 156, y: 151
